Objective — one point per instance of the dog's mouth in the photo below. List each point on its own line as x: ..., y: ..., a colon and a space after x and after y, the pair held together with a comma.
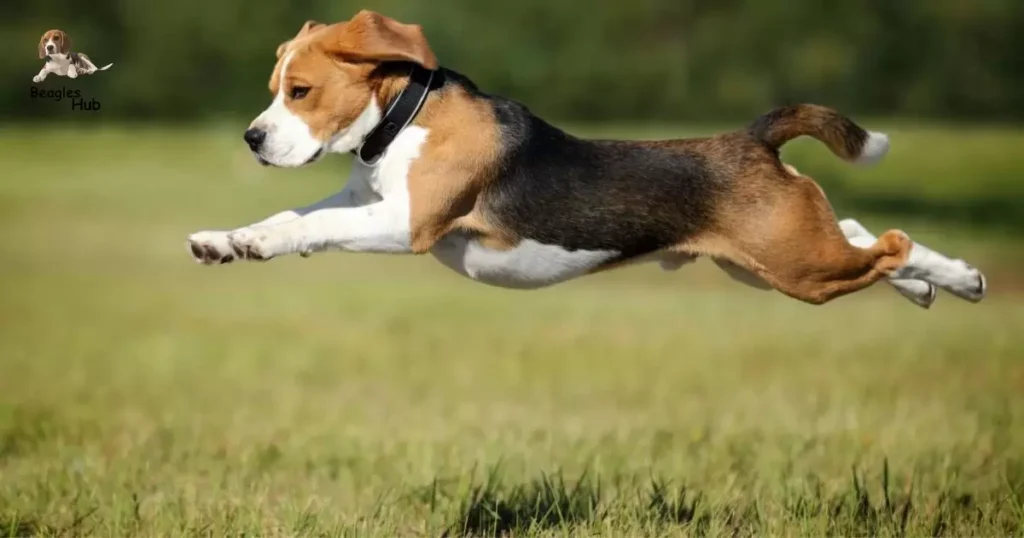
x: 314, y: 157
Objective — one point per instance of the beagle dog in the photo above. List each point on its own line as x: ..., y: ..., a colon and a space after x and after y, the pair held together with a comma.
x: 504, y: 198
x: 55, y: 47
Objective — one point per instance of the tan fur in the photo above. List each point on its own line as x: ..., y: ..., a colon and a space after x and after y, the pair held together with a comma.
x: 339, y: 91
x: 60, y: 38
x: 373, y: 37
x: 307, y: 27
x: 456, y: 164
x: 780, y: 227
x: 816, y: 121
x: 340, y: 63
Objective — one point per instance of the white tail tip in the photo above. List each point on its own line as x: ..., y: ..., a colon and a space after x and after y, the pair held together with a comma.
x: 875, y: 147
x: 105, y: 67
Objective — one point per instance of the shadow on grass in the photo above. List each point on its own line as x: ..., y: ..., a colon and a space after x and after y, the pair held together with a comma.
x: 495, y: 507
x: 12, y: 526
x: 17, y: 527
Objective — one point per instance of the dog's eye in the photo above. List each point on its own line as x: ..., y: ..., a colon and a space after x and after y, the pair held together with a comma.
x: 298, y: 92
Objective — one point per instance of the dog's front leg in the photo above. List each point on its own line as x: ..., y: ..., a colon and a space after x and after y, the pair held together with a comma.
x: 41, y: 76
x: 210, y: 247
x: 379, y: 227
x: 214, y: 247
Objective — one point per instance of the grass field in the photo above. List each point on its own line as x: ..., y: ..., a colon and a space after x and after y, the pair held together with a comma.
x: 141, y: 394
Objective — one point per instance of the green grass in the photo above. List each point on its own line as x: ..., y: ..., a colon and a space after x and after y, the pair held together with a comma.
x: 141, y: 394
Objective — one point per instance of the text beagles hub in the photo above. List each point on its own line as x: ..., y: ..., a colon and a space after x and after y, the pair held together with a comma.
x: 56, y: 94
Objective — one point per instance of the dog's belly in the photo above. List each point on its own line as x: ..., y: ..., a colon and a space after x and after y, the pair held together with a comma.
x: 529, y: 265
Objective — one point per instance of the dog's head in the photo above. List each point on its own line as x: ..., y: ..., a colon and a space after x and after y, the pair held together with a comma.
x: 326, y: 86
x: 54, y: 42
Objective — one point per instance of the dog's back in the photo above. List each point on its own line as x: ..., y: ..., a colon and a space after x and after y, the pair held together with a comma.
x: 632, y: 197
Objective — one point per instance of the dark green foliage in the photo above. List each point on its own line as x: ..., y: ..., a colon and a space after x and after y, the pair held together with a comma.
x: 601, y: 60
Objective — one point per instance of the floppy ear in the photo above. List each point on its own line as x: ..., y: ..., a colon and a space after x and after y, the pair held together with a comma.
x: 65, y: 42
x: 307, y: 27
x: 371, y: 36
x: 42, y: 45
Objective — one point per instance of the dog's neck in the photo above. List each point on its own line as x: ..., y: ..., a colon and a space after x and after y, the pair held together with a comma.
x: 448, y: 111
x: 399, y: 111
x: 61, y: 57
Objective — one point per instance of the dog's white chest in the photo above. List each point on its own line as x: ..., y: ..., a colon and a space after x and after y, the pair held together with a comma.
x: 390, y: 178
x: 529, y: 265
x: 61, y: 64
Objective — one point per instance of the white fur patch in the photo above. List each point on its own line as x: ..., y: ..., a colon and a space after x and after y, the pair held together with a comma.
x: 351, y: 137
x: 382, y: 226
x: 918, y: 292
x: 529, y: 265
x: 954, y: 276
x: 289, y: 141
x: 924, y: 267
x: 875, y: 148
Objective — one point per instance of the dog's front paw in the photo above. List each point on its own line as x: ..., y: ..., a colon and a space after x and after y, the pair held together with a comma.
x: 255, y: 244
x: 72, y: 73
x: 210, y: 248
x: 37, y: 79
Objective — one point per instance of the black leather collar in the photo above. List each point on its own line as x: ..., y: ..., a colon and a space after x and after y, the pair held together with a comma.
x: 399, y: 114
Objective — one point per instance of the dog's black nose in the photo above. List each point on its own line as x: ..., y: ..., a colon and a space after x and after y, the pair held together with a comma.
x: 255, y: 137
x: 49, y: 48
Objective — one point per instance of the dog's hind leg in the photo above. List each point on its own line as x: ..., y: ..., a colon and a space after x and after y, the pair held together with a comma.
x: 812, y: 267
x: 790, y: 238
x: 919, y: 292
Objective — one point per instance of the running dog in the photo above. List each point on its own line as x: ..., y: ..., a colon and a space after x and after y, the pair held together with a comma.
x: 504, y: 198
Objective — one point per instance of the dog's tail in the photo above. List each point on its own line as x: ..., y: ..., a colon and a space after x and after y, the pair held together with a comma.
x: 105, y: 67
x: 844, y: 137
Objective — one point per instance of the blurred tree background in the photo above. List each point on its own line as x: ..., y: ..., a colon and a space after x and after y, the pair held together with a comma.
x: 599, y: 60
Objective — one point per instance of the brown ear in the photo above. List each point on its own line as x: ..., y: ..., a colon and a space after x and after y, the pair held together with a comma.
x: 307, y: 27
x: 371, y: 36
x: 65, y: 42
x: 42, y: 45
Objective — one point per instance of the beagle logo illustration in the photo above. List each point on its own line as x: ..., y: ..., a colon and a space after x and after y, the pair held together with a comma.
x: 55, y: 48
